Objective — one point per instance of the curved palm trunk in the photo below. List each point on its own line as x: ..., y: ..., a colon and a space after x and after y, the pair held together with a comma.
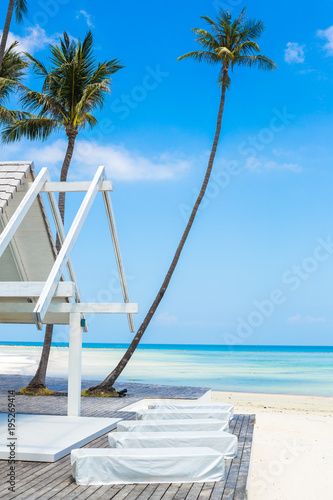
x: 38, y: 381
x: 6, y: 30
x: 112, y: 377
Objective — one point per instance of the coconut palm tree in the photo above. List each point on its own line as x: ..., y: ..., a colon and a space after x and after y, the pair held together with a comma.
x: 73, y: 87
x: 20, y: 7
x: 11, y: 73
x: 228, y: 44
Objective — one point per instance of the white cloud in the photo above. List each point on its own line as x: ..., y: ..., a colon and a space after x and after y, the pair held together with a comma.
x: 87, y: 16
x: 308, y: 319
x: 294, y: 53
x: 120, y: 162
x: 328, y: 36
x: 166, y: 319
x: 261, y: 165
x: 34, y: 40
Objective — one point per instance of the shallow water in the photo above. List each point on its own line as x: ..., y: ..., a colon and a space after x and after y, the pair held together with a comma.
x: 264, y: 370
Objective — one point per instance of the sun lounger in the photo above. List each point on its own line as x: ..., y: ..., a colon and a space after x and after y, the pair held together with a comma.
x: 173, y: 425
x: 223, y: 442
x: 102, y: 466
x: 183, y: 413
x: 193, y: 406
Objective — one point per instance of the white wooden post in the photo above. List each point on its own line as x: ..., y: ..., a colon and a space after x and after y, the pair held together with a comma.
x: 74, y: 365
x: 113, y: 230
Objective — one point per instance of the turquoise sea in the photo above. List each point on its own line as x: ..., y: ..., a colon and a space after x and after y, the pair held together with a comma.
x: 261, y: 369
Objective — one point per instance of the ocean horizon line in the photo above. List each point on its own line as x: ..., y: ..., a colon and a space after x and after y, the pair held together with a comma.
x: 179, y: 347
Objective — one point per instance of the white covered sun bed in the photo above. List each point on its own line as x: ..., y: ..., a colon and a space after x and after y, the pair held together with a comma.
x: 184, y: 413
x: 102, y: 466
x: 193, y: 406
x: 173, y: 425
x: 223, y: 442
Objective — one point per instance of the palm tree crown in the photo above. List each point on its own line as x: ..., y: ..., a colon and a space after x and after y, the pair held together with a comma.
x: 73, y: 87
x: 230, y: 43
x: 11, y: 73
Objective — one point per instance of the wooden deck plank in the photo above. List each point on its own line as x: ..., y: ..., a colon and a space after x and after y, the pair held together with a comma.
x: 183, y: 491
x: 171, y: 491
x: 159, y: 492
x: 126, y: 490
x: 46, y: 481
x: 110, y: 493
x: 206, y: 491
x: 194, y: 491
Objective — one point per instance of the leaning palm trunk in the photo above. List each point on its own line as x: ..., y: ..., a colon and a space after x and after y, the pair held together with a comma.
x: 107, y: 384
x: 39, y: 379
x: 6, y: 30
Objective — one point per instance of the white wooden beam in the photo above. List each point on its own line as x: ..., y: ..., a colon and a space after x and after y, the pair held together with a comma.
x: 65, y: 252
x: 69, y: 307
x: 74, y: 366
x: 62, y: 235
x: 34, y: 289
x: 112, y: 225
x: 73, y: 187
x: 22, y: 209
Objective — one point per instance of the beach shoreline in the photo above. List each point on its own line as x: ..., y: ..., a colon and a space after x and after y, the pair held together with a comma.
x: 251, y: 401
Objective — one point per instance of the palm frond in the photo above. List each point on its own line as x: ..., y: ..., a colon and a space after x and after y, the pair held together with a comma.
x: 260, y: 61
x: 13, y: 65
x: 252, y: 30
x: 90, y: 119
x: 37, y: 66
x: 45, y: 104
x: 205, y: 39
x: 10, y: 116
x: 200, y: 55
x: 21, y: 10
x: 33, y: 128
x: 216, y: 30
x: 93, y: 97
x: 246, y: 48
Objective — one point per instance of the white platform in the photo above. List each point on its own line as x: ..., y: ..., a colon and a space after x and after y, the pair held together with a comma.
x: 47, y: 438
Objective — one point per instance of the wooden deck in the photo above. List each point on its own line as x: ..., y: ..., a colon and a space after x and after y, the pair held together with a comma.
x: 35, y: 480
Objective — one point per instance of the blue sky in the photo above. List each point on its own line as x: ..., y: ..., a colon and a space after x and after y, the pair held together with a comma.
x: 258, y: 265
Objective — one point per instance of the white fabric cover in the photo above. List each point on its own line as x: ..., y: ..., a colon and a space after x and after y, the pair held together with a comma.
x: 224, y: 442
x: 98, y: 466
x: 156, y: 414
x: 193, y: 406
x: 173, y: 425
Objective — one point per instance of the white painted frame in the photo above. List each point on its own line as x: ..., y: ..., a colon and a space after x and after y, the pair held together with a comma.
x: 67, y: 246
x: 34, y: 289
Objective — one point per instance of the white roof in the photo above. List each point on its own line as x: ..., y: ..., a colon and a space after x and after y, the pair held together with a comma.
x: 31, y: 253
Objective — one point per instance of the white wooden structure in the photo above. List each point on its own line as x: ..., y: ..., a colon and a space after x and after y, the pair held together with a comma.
x: 32, y: 285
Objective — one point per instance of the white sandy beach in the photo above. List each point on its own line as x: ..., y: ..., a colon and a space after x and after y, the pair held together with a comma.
x: 293, y: 445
